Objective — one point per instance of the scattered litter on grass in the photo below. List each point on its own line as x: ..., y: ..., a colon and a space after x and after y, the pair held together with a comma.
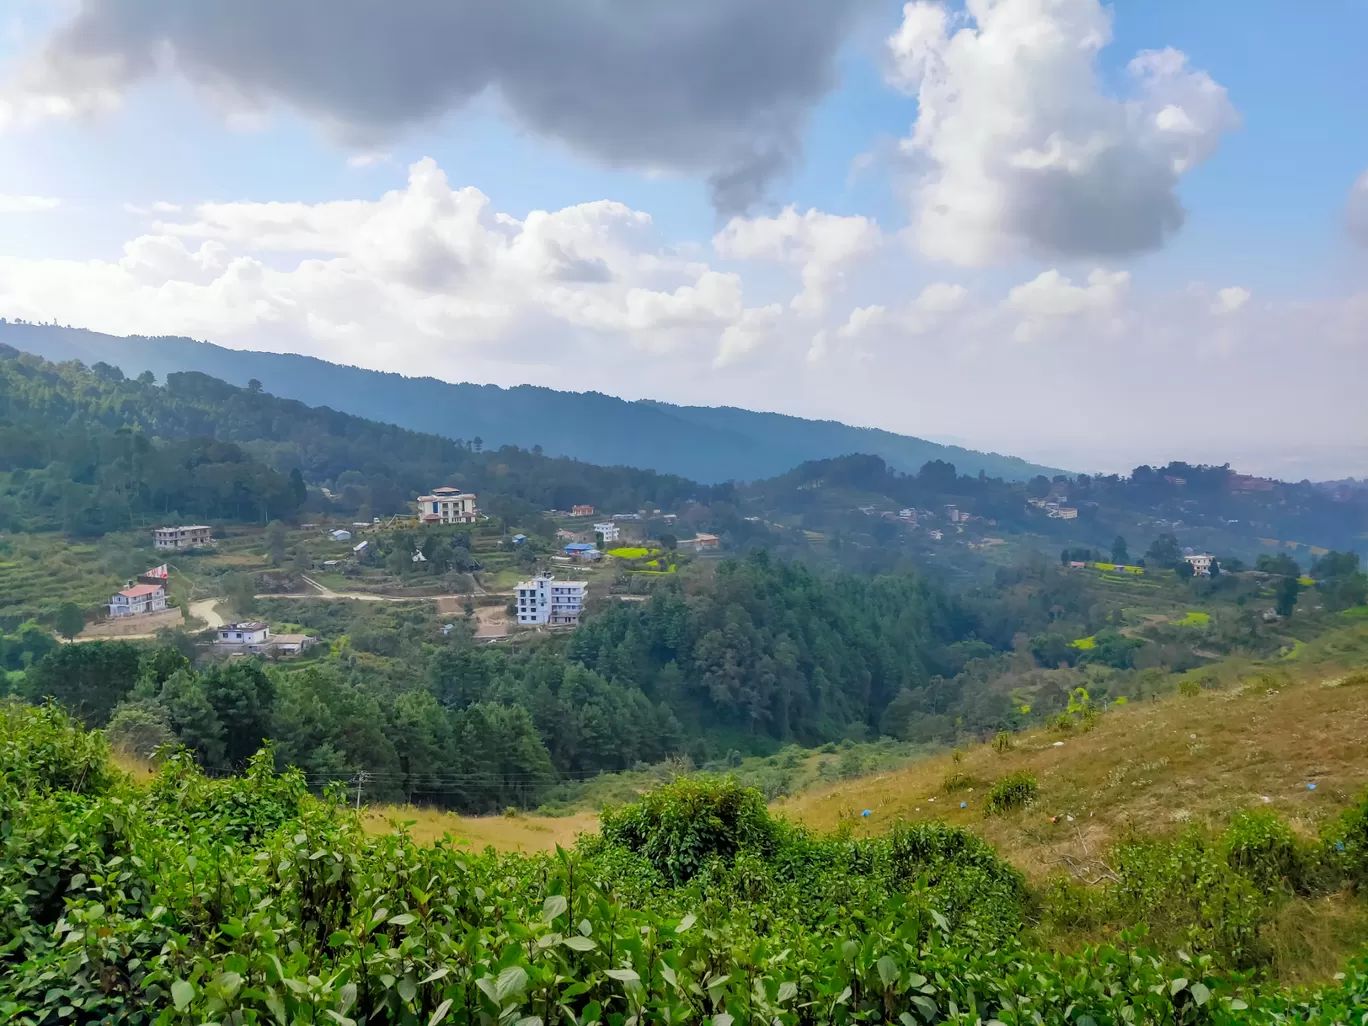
x: 1310, y: 787
x: 865, y: 813
x: 1265, y: 799
x: 964, y: 805
x: 1059, y: 744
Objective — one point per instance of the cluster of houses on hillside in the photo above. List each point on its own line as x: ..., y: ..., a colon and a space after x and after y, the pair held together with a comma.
x: 1054, y: 507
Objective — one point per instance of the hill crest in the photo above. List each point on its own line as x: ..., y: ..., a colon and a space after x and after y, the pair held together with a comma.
x: 705, y: 444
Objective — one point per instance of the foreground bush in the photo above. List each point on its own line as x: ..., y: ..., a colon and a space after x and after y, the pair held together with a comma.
x: 245, y: 900
x: 680, y: 826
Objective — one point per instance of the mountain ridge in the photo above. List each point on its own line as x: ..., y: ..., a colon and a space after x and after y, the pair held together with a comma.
x: 706, y: 444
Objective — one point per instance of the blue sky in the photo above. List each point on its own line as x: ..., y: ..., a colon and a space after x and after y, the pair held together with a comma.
x: 983, y: 205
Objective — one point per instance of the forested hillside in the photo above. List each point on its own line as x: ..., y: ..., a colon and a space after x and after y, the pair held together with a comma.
x: 86, y: 447
x: 702, y: 443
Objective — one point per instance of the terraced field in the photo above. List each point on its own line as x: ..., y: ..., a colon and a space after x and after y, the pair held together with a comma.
x: 36, y: 578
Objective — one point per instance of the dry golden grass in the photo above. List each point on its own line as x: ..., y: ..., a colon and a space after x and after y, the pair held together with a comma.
x: 1151, y: 767
x: 136, y: 767
x: 505, y: 833
x: 1312, y: 938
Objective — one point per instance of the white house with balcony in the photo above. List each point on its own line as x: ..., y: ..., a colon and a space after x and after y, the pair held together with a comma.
x: 610, y: 531
x: 545, y: 600
x: 447, y: 506
x: 138, y: 600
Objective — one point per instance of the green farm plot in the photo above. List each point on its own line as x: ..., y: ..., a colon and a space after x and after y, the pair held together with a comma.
x: 1194, y: 619
x: 632, y: 552
x: 1085, y: 643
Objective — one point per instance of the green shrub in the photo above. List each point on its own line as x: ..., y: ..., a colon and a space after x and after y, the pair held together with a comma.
x: 1344, y: 846
x: 1263, y: 848
x: 1002, y: 742
x: 46, y: 749
x: 1186, y: 894
x: 1014, y: 791
x: 682, y: 825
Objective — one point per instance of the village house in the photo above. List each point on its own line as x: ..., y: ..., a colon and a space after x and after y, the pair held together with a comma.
x: 253, y: 637
x: 544, y: 600
x: 610, y: 531
x: 583, y: 511
x: 447, y: 505
x: 138, y: 600
x: 186, y: 537
x: 340, y: 535
x: 1200, y: 563
x: 705, y: 541
x: 583, y: 551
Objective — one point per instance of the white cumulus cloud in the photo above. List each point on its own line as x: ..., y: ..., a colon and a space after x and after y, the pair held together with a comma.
x: 1050, y: 301
x: 1228, y: 300
x: 422, y: 264
x: 822, y: 244
x: 1018, y: 148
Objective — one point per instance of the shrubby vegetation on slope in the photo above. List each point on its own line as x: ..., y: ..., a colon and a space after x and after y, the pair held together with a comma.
x: 248, y: 900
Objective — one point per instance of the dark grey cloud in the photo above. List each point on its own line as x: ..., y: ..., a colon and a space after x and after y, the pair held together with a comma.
x: 719, y: 88
x: 1126, y: 204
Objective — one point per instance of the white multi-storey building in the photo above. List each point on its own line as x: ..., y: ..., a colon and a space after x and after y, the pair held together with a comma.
x: 545, y: 600
x: 447, y: 506
x: 610, y: 531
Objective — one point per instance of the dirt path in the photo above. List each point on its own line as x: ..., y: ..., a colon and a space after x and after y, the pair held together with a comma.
x: 493, y: 622
x: 204, y: 609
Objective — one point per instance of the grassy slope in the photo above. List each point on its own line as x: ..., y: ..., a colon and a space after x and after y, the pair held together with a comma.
x: 1152, y: 766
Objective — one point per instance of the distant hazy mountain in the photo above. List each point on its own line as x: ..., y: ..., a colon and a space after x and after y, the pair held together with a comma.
x: 707, y: 444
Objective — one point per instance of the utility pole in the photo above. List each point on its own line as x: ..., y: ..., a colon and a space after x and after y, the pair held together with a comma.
x: 360, y: 779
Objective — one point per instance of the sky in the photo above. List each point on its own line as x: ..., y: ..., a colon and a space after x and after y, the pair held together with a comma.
x: 1091, y: 235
